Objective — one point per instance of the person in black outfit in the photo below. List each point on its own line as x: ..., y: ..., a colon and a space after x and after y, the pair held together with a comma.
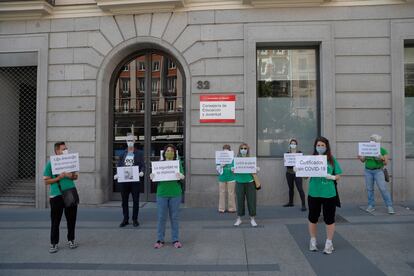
x: 291, y: 177
x: 131, y: 157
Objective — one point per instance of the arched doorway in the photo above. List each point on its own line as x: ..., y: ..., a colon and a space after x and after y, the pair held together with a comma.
x: 148, y: 101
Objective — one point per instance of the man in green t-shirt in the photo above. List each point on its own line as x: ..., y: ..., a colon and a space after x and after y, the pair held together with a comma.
x: 57, y: 207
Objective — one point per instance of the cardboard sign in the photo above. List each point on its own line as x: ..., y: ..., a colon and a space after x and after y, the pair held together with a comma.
x: 224, y: 157
x: 369, y: 149
x: 128, y: 174
x: 217, y: 108
x: 289, y: 159
x: 65, y: 163
x: 165, y: 170
x: 311, y: 166
x: 245, y: 164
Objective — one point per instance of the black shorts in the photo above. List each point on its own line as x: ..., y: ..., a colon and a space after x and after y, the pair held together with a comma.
x: 328, y: 206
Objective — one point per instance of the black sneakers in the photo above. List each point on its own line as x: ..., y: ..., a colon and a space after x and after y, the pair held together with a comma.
x: 124, y: 223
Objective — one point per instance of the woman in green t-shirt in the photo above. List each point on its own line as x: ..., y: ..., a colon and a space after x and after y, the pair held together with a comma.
x: 227, y: 183
x: 245, y: 190
x: 374, y: 173
x: 168, y: 202
x: 322, y: 196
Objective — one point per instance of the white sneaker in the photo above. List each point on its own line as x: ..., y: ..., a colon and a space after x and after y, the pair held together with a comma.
x: 328, y: 248
x: 313, y: 245
x: 370, y: 209
x: 391, y: 210
x: 238, y: 222
x: 253, y: 222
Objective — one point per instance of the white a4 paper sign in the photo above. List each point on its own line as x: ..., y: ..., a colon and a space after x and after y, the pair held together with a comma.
x: 128, y: 174
x: 245, y: 165
x: 64, y: 163
x: 369, y: 149
x: 290, y: 158
x: 311, y: 166
x: 165, y: 170
x: 224, y: 157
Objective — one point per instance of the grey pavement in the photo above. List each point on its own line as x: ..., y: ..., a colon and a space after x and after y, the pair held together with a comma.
x: 365, y: 243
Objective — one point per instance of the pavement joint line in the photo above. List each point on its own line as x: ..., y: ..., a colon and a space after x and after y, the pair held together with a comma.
x: 218, y: 227
x: 141, y: 267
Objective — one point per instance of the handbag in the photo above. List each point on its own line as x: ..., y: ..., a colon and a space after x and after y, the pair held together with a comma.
x: 386, y: 175
x: 257, y: 181
x: 70, y: 197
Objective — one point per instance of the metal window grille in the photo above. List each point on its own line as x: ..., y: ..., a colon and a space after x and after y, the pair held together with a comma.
x: 18, y: 134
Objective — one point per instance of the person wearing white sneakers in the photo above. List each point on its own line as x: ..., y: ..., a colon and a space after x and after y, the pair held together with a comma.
x: 322, y: 195
x: 374, y: 173
x: 245, y: 189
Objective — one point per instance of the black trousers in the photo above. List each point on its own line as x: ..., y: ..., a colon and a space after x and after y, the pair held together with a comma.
x: 328, y: 207
x: 126, y: 189
x: 298, y: 180
x: 57, y: 208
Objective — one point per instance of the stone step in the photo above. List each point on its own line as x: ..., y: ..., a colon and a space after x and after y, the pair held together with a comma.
x: 17, y: 200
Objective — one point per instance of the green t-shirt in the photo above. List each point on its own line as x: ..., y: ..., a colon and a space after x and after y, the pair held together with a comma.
x: 227, y: 175
x: 322, y: 187
x: 65, y: 183
x: 373, y: 163
x: 170, y: 188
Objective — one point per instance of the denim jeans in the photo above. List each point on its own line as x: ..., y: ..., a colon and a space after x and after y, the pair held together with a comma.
x: 170, y: 206
x: 378, y: 177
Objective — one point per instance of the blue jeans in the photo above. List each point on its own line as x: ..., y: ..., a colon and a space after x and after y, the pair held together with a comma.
x: 170, y: 205
x: 378, y: 177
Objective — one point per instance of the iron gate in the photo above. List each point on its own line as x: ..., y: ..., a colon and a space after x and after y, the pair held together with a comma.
x: 18, y: 134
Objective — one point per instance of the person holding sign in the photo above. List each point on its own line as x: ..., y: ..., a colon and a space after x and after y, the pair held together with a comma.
x: 245, y: 190
x: 130, y: 158
x: 323, y: 195
x: 168, y: 202
x: 227, y: 182
x: 374, y: 172
x: 59, y: 183
x: 291, y: 178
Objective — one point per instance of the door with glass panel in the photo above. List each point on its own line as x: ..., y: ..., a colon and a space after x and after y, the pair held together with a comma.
x: 148, y: 103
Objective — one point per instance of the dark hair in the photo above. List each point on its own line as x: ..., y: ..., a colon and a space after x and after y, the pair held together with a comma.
x: 328, y: 148
x: 248, y: 149
x: 165, y: 149
x: 293, y: 140
x: 58, y: 144
x: 226, y: 146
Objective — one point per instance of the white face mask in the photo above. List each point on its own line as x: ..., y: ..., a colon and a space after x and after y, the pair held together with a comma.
x: 293, y: 146
x: 66, y: 151
x: 243, y: 151
x: 130, y: 144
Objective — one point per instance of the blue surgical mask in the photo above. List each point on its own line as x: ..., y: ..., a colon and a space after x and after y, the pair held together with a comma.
x: 321, y: 150
x: 130, y: 144
x: 292, y: 146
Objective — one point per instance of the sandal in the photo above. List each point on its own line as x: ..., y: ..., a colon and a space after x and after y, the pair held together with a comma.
x: 158, y: 244
x: 177, y: 244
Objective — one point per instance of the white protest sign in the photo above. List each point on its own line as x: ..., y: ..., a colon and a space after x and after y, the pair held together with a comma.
x: 289, y: 159
x: 224, y: 157
x: 165, y: 170
x: 369, y: 149
x: 64, y: 163
x: 245, y: 164
x: 128, y: 174
x: 217, y: 108
x: 311, y: 166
